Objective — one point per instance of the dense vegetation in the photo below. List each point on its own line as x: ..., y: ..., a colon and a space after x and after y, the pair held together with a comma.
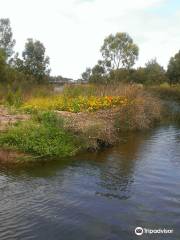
x: 119, y: 54
x: 116, y: 98
x: 81, y: 117
x: 32, y: 67
x: 43, y: 136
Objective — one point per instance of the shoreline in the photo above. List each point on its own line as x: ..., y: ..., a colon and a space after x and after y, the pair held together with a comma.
x: 54, y: 134
x: 96, y: 130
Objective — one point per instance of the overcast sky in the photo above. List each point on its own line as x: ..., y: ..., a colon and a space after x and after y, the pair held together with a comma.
x: 73, y: 30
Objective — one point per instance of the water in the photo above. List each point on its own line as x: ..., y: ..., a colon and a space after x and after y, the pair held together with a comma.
x: 99, y: 195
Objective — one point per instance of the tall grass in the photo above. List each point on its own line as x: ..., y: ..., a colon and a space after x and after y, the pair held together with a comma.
x: 141, y: 112
x: 115, y: 108
x: 103, y: 90
x: 166, y: 91
x: 15, y: 95
x: 137, y: 109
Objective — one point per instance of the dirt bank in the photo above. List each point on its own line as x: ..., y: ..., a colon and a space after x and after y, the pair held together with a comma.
x: 7, y: 119
x: 10, y: 157
x: 97, y: 128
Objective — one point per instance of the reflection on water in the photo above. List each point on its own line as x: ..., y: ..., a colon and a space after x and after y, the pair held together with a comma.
x: 99, y: 195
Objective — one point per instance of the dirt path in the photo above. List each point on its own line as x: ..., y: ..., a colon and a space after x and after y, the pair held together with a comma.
x: 7, y: 119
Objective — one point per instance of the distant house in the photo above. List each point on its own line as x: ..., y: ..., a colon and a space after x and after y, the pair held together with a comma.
x: 60, y: 80
x: 81, y: 81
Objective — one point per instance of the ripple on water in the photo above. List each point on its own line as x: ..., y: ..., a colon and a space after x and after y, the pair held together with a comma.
x: 98, y: 196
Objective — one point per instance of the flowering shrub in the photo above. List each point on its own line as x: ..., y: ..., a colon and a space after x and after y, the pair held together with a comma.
x: 77, y: 104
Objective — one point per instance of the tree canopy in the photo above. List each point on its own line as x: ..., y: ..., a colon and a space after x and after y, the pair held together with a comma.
x: 33, y: 63
x: 2, y: 65
x: 34, y: 60
x: 154, y: 72
x: 173, y: 70
x: 6, y: 37
x: 119, y: 51
x: 86, y: 75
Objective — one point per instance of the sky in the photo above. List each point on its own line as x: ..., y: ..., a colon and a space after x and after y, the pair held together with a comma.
x: 73, y: 31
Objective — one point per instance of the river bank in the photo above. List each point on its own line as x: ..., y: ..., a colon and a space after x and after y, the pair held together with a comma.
x: 95, y: 119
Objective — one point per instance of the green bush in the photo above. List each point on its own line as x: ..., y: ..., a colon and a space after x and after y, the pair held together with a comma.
x: 43, y: 136
x: 169, y: 92
x: 13, y: 98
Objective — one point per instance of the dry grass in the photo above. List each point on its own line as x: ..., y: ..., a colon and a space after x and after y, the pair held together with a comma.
x: 96, y: 128
x: 127, y: 90
x: 166, y: 91
x: 143, y: 111
x: 102, y: 127
x: 7, y: 119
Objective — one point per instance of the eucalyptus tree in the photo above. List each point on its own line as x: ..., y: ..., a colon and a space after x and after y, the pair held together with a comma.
x: 119, y: 51
x: 6, y: 37
x: 173, y: 70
